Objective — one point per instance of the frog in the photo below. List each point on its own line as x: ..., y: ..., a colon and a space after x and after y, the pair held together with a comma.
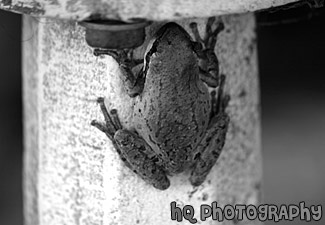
x: 177, y: 124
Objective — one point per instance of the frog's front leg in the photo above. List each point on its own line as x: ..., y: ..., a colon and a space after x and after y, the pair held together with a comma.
x: 133, y: 150
x: 204, y: 48
x: 212, y: 143
x: 129, y: 67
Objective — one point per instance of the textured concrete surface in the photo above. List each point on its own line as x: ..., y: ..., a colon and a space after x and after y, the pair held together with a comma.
x: 73, y: 174
x: 156, y: 10
x: 31, y: 116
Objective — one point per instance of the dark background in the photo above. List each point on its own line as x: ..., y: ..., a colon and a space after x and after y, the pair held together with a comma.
x: 292, y: 76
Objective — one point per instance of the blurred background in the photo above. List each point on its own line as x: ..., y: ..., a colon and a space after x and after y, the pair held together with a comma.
x: 291, y: 47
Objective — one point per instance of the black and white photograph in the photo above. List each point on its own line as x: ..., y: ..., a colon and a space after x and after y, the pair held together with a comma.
x: 162, y: 112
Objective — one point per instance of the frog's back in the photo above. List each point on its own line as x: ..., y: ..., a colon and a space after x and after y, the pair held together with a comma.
x: 172, y: 112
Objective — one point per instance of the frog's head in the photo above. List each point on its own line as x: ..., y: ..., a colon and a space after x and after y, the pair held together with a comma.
x: 172, y: 32
x: 169, y: 37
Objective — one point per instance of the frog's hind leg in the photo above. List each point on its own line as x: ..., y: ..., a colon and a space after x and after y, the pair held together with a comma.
x: 133, y: 150
x: 212, y: 143
x: 204, y: 48
x: 136, y: 151
x: 132, y: 74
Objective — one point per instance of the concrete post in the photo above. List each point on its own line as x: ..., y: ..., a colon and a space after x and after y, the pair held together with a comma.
x: 73, y: 175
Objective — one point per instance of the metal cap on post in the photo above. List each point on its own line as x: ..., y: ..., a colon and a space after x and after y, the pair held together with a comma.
x: 110, y: 34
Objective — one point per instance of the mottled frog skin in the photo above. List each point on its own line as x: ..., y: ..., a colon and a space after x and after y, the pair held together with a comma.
x: 178, y: 124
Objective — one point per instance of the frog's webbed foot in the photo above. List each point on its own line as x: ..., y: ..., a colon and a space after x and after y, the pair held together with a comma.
x: 204, y: 48
x: 212, y: 143
x: 130, y: 66
x: 111, y: 126
x: 132, y: 149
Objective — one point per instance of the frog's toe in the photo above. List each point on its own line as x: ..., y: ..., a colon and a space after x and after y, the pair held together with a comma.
x: 102, y: 127
x: 220, y: 27
x: 197, y: 181
x: 98, y: 125
x: 115, y: 120
x: 162, y: 184
x: 100, y: 100
x: 195, y: 31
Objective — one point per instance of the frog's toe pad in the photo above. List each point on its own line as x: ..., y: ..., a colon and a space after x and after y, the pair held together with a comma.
x: 163, y: 184
x: 197, y: 181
